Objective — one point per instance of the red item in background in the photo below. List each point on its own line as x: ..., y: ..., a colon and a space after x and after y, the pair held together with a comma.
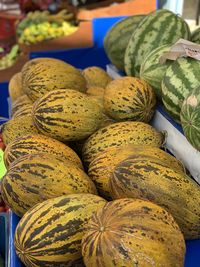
x: 7, y: 27
x: 2, y: 146
x: 32, y: 5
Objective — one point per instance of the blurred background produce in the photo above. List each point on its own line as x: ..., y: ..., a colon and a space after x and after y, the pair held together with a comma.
x: 8, y: 56
x: 39, y: 26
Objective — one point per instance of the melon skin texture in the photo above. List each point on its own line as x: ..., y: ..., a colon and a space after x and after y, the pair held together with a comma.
x: 15, y: 88
x: 152, y: 71
x: 37, y: 143
x: 34, y: 178
x: 96, y: 77
x: 19, y: 103
x: 45, y: 76
x: 129, y: 98
x: 120, y: 134
x: 180, y: 79
x: 153, y: 180
x: 67, y: 115
x: 101, y: 168
x: 117, y: 38
x: 50, y: 234
x: 190, y: 119
x: 18, y: 127
x: 132, y: 232
x: 151, y: 33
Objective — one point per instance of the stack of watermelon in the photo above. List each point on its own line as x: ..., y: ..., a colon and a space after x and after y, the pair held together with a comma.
x: 135, y: 45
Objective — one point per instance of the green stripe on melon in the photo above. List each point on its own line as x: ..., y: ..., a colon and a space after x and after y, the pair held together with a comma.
x: 152, y: 71
x: 190, y: 118
x: 179, y: 80
x: 158, y: 28
x: 195, y: 37
x: 116, y: 39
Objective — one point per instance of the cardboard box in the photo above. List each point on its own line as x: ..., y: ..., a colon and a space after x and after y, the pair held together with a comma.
x: 119, y: 9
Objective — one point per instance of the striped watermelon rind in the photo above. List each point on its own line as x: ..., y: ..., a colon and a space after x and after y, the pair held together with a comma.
x: 195, y: 36
x: 158, y: 28
x: 181, y: 77
x: 116, y: 39
x: 190, y: 118
x: 152, y: 71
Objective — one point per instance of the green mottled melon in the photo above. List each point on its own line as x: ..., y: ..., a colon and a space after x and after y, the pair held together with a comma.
x: 117, y: 38
x: 150, y: 34
x: 152, y: 71
x: 190, y: 118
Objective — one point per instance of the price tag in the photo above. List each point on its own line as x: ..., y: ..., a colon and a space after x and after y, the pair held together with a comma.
x: 182, y: 48
x: 2, y: 166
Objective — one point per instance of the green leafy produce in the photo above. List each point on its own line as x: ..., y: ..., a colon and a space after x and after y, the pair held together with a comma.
x: 9, y: 59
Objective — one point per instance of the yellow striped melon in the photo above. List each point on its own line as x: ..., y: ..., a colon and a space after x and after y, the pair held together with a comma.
x: 50, y: 234
x: 120, y: 134
x: 132, y: 232
x: 18, y: 127
x: 96, y: 76
x: 28, y: 65
x: 37, y: 143
x: 23, y: 111
x: 101, y: 168
x: 67, y: 115
x: 20, y: 102
x: 129, y: 98
x: 15, y: 86
x: 153, y: 180
x: 46, y: 76
x: 34, y: 178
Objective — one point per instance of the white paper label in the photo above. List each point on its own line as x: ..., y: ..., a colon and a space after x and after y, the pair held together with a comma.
x: 182, y: 48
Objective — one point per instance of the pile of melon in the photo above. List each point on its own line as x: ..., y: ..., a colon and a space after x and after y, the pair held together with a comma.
x: 88, y: 174
x: 140, y: 46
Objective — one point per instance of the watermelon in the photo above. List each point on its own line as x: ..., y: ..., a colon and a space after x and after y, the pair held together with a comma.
x: 190, y: 118
x: 152, y: 71
x: 195, y: 36
x: 116, y: 39
x: 158, y: 28
x: 181, y: 77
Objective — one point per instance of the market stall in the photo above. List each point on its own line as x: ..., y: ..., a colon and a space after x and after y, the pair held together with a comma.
x: 104, y: 167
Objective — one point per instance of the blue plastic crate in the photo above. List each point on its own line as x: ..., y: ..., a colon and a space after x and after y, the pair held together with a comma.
x: 4, y: 236
x: 4, y: 110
